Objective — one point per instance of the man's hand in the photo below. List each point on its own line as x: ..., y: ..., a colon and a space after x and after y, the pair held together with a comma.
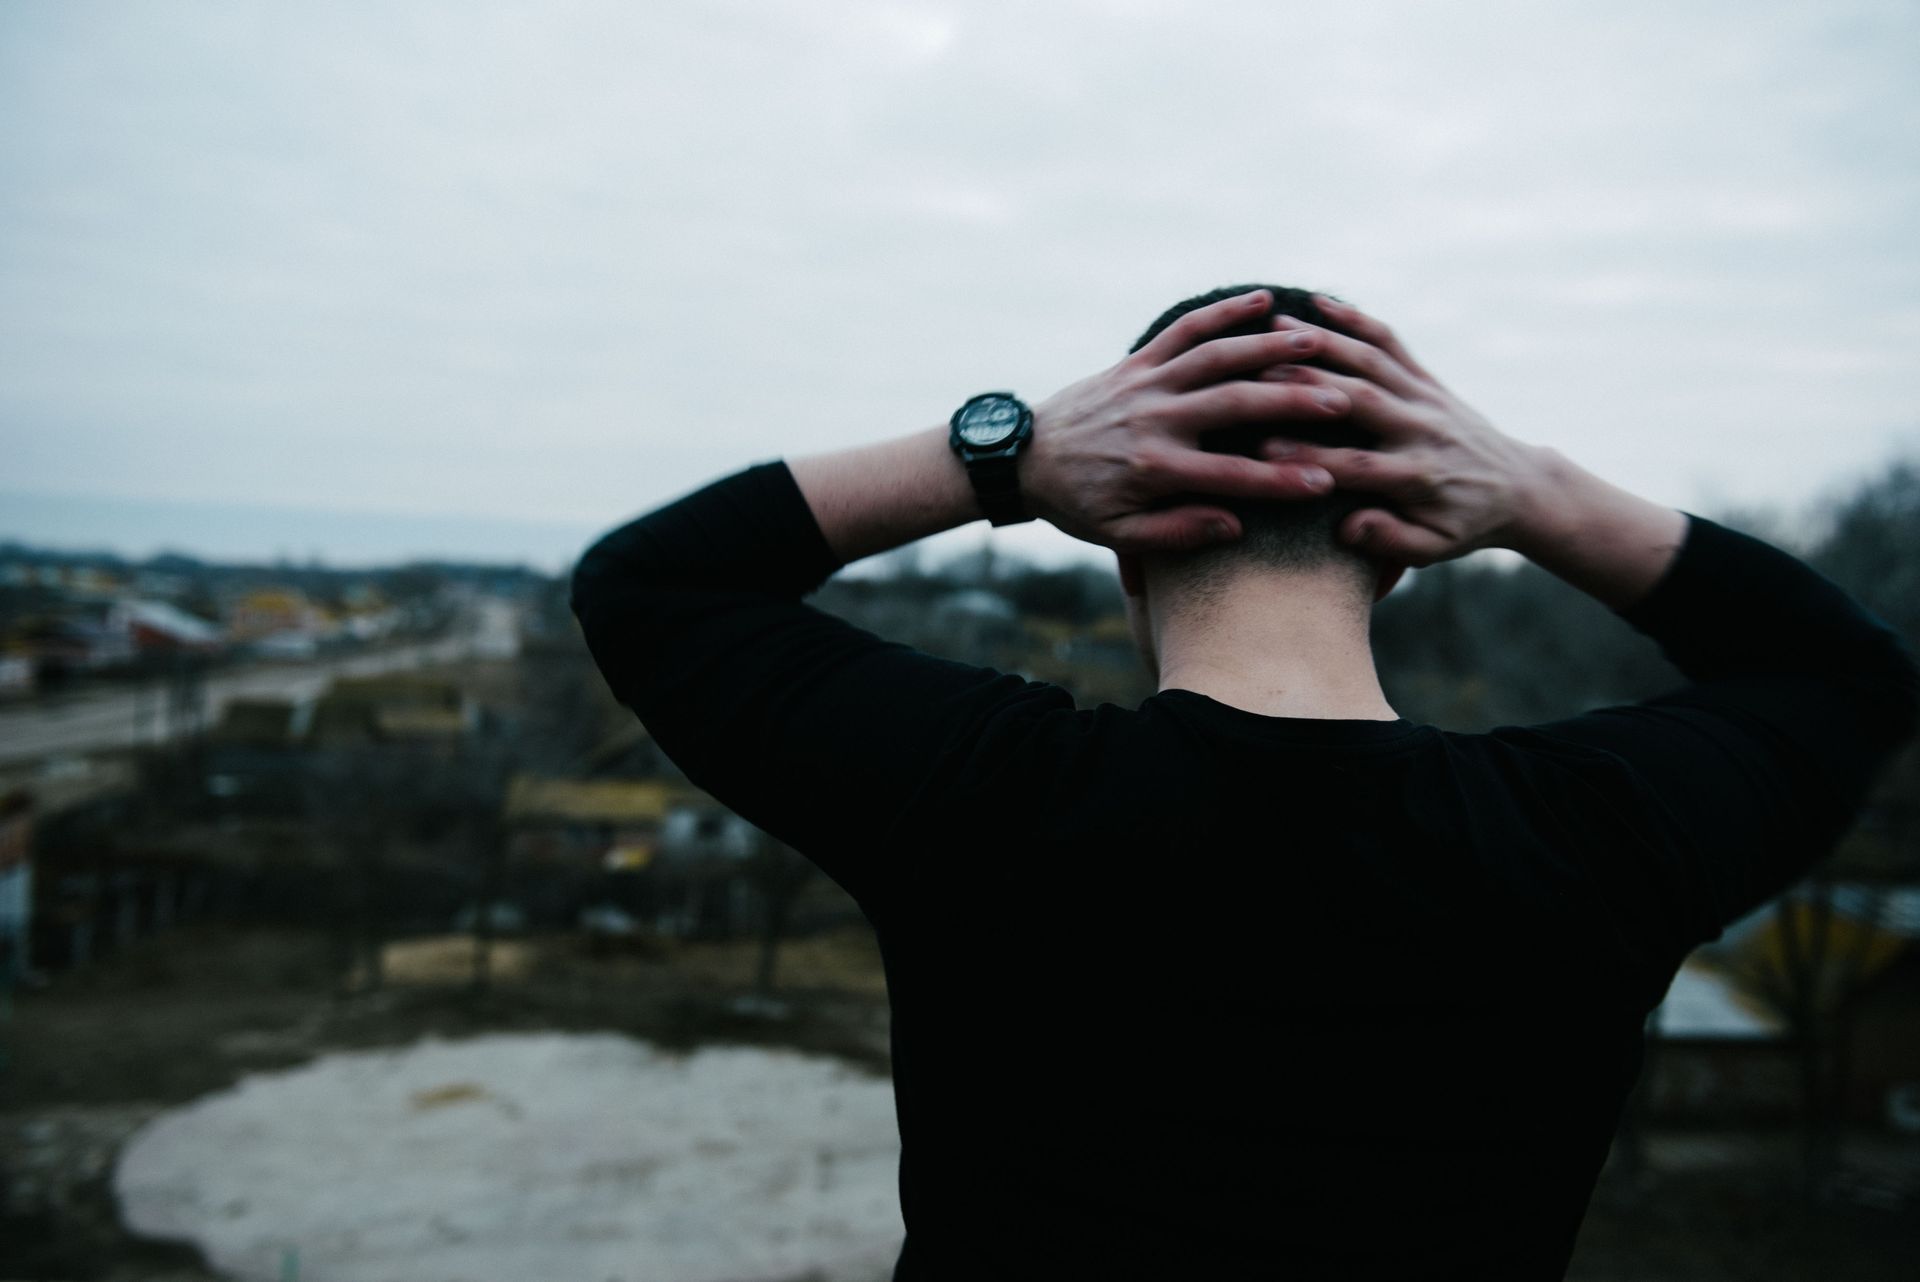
x: 1453, y: 483
x: 1115, y: 458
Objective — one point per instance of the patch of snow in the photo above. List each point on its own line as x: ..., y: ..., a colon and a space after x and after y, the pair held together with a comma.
x: 527, y: 1156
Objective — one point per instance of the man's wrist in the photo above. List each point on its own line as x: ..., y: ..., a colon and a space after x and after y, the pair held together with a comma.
x: 1545, y: 495
x: 1607, y: 542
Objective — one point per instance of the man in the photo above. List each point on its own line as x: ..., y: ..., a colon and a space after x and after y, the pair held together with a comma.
x: 1259, y: 979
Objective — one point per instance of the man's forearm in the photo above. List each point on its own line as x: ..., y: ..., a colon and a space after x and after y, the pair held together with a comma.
x: 875, y: 497
x: 1608, y: 543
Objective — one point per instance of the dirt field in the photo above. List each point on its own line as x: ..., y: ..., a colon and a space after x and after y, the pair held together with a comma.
x: 91, y: 1057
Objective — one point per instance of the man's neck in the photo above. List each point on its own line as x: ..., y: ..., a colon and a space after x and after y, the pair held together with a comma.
x: 1278, y: 645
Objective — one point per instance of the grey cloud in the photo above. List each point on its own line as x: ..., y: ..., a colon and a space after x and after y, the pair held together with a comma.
x: 561, y: 261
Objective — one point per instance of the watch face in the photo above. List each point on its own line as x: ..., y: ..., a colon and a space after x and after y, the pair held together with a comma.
x: 988, y: 422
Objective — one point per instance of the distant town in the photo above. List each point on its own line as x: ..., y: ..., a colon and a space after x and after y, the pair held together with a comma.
x: 71, y: 620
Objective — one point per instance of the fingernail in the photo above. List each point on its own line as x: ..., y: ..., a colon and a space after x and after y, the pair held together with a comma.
x: 1284, y: 321
x: 1220, y: 530
x: 1327, y: 400
x: 1303, y: 341
x: 1316, y: 477
x: 1279, y: 449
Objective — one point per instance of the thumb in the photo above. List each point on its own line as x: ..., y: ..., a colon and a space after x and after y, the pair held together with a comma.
x: 1180, y: 529
x: 1386, y: 537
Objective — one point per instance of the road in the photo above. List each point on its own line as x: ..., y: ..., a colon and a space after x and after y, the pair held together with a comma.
x: 127, y: 715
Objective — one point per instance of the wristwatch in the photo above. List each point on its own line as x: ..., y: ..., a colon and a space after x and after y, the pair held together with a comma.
x: 989, y: 433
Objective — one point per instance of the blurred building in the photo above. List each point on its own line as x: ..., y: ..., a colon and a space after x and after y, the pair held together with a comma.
x: 267, y: 612
x: 664, y: 852
x: 427, y: 711
x: 1726, y: 1050
x: 155, y: 627
x: 1721, y: 1055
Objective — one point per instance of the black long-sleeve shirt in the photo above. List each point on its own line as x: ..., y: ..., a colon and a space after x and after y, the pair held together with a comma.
x: 1187, y: 991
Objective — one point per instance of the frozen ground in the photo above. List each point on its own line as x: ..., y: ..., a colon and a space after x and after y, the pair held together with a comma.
x: 511, y: 1157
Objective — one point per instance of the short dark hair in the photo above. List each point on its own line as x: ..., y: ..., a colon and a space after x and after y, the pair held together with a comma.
x: 1298, y: 534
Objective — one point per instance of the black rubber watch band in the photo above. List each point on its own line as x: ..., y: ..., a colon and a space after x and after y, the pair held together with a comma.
x: 996, y: 483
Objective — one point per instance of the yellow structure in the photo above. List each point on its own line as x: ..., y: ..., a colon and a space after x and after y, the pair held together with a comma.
x: 612, y: 802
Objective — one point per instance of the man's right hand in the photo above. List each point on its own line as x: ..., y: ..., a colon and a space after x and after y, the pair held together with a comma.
x: 1451, y: 482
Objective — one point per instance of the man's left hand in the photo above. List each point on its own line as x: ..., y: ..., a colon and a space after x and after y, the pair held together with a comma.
x: 1116, y: 459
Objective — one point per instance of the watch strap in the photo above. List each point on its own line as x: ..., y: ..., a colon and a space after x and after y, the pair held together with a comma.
x: 996, y: 484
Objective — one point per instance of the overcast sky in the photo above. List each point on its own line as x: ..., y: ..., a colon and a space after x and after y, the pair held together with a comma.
x: 376, y: 280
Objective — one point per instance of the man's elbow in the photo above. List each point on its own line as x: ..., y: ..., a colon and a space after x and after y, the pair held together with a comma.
x: 600, y: 574
x: 609, y: 617
x: 603, y: 600
x: 582, y: 586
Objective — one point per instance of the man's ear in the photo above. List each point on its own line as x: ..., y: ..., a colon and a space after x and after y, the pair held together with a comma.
x: 1389, y: 575
x: 1133, y: 578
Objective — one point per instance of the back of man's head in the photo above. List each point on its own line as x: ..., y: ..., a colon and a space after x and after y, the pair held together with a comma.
x: 1297, y: 534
